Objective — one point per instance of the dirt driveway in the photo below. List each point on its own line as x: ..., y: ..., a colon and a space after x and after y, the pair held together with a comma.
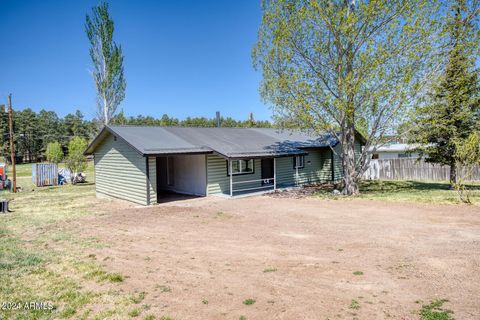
x: 297, y: 258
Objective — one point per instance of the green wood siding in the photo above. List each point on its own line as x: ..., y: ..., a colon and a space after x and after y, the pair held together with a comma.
x: 338, y: 160
x: 317, y: 169
x: 218, y: 181
x: 152, y: 167
x: 120, y: 171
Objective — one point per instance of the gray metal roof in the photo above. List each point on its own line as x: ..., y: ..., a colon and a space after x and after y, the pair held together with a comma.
x: 229, y: 142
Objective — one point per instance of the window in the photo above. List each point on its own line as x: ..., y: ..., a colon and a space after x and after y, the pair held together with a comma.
x: 298, y: 162
x: 404, y: 155
x: 375, y: 156
x: 241, y: 166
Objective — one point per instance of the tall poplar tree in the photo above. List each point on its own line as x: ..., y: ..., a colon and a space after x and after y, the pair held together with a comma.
x: 107, y: 58
x: 344, y: 65
x: 451, y: 113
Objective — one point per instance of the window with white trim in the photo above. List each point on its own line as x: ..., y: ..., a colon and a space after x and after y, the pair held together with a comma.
x: 241, y: 167
x: 298, y: 162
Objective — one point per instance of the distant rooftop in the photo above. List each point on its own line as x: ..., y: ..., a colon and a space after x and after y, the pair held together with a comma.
x: 396, y: 147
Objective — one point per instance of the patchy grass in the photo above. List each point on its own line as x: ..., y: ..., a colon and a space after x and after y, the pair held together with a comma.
x: 434, y: 311
x: 358, y: 273
x: 137, y: 298
x: 134, y: 313
x: 42, y: 262
x: 114, y: 277
x: 269, y: 270
x: 92, y: 271
x: 249, y: 302
x: 354, y: 305
x: 436, y: 192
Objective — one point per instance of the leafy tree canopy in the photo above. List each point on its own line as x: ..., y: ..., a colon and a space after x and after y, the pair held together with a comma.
x: 54, y: 152
x: 344, y: 66
x: 107, y: 59
x: 76, y: 161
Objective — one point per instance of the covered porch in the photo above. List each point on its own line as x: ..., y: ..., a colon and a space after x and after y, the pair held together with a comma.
x: 244, y: 180
x: 241, y: 176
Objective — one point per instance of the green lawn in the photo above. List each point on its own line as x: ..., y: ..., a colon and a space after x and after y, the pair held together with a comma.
x: 24, y: 175
x: 410, y: 191
x: 40, y: 261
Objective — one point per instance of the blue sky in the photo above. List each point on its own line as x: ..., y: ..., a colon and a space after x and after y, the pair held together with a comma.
x: 183, y: 58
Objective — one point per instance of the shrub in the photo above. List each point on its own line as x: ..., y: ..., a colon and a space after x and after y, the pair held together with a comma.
x: 54, y: 152
x: 76, y: 161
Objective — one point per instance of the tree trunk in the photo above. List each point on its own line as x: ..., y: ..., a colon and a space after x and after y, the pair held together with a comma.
x: 348, y: 162
x: 453, y: 175
x: 348, y: 126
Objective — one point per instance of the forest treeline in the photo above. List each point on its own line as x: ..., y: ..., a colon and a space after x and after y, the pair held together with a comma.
x: 34, y: 130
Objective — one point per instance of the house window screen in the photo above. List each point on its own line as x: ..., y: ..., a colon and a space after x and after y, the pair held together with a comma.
x: 299, y: 162
x: 241, y: 167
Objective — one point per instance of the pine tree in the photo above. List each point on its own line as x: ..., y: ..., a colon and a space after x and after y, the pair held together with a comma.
x: 452, y: 112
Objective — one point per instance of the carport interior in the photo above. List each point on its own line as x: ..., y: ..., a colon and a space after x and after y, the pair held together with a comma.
x: 180, y: 174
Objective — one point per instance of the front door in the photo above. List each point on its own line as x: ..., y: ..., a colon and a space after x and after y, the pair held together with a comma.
x: 267, y: 171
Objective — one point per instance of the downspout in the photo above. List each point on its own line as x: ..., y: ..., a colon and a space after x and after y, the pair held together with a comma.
x: 274, y: 174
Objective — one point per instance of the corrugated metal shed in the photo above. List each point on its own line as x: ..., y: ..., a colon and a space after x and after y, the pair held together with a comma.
x: 45, y: 174
x: 228, y: 142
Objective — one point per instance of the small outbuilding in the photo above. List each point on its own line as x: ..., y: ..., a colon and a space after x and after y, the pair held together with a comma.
x: 144, y: 163
x: 395, y: 151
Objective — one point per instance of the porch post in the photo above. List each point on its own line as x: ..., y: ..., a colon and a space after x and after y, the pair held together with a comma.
x: 274, y: 173
x: 231, y: 177
x: 296, y: 174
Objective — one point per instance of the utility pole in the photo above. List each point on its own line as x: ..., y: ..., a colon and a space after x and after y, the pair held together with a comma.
x: 12, y: 151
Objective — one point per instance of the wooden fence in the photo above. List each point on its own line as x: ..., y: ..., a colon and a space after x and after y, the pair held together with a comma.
x: 413, y: 169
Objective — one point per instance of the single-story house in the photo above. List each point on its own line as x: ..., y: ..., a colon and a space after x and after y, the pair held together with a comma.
x: 143, y: 163
x: 395, y: 151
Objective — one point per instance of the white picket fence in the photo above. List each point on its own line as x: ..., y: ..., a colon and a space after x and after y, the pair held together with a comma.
x: 413, y: 169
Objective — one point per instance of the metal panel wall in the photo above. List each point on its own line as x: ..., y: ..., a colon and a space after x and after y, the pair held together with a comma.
x: 44, y: 174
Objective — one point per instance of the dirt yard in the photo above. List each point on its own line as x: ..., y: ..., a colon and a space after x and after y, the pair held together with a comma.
x: 294, y: 258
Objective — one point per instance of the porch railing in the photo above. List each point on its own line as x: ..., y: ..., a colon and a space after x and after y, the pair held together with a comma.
x: 265, y: 183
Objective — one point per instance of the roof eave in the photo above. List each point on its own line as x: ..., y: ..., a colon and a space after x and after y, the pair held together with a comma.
x: 179, y: 153
x: 99, y: 138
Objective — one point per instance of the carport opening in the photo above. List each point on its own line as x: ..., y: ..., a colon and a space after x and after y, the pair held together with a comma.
x: 180, y: 177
